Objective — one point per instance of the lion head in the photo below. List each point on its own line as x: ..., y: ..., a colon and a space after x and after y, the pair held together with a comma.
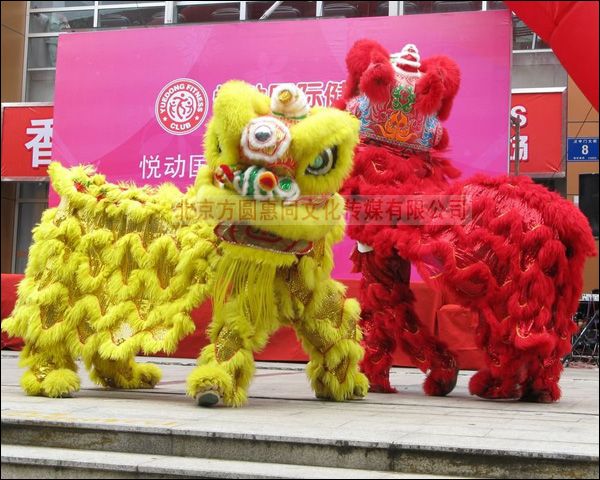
x: 275, y: 163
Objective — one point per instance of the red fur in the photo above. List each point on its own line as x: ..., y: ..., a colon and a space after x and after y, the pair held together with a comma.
x: 370, y: 72
x: 358, y: 60
x: 517, y: 260
x: 445, y: 108
x: 340, y: 103
x: 429, y: 92
x: 449, y: 74
x: 447, y: 70
x: 377, y: 80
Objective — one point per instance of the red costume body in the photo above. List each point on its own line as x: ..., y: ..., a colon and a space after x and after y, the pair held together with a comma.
x: 516, y: 258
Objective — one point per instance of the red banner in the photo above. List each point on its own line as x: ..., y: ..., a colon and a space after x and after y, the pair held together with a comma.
x: 540, y: 115
x: 26, y: 140
x: 27, y: 135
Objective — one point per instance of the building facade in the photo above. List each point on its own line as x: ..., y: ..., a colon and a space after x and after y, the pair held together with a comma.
x: 30, y: 32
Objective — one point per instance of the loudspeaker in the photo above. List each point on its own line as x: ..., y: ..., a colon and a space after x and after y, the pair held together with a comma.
x: 588, y: 198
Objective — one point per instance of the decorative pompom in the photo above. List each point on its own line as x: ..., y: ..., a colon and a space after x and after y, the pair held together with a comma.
x: 289, y: 101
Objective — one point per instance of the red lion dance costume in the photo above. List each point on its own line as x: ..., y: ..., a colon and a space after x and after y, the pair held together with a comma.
x: 516, y: 260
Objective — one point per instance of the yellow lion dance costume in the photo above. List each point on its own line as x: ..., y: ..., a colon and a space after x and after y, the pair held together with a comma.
x: 116, y: 269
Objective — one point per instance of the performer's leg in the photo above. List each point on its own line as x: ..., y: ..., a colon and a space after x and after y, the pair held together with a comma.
x: 505, y: 370
x: 527, y: 368
x: 379, y: 345
x: 377, y: 318
x: 498, y: 381
x: 330, y: 335
x: 542, y: 382
x: 226, y: 365
x: 51, y: 372
x: 123, y: 373
x: 544, y: 369
x: 391, y: 319
x: 428, y: 353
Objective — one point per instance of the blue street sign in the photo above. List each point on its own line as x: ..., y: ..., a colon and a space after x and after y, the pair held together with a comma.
x: 582, y: 149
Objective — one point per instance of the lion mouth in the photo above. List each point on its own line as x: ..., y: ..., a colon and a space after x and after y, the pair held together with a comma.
x: 257, y: 182
x: 251, y: 236
x: 263, y: 185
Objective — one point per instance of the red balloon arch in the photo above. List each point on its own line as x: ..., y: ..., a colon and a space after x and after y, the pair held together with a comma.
x: 571, y: 30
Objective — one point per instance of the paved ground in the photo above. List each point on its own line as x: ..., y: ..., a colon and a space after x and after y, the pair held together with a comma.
x: 282, y: 404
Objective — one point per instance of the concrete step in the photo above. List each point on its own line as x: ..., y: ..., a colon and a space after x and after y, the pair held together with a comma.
x: 195, y: 444
x: 44, y: 462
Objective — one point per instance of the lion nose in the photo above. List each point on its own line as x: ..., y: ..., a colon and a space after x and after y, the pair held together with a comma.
x: 267, y: 181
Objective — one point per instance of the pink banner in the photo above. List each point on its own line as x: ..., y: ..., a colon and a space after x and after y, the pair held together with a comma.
x: 112, y: 87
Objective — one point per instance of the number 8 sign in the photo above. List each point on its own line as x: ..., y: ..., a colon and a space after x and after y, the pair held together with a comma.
x: 582, y: 149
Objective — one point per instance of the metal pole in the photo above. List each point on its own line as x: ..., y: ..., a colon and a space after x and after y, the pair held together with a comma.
x: 270, y: 10
x: 170, y: 13
x: 319, y: 10
x: 517, y: 126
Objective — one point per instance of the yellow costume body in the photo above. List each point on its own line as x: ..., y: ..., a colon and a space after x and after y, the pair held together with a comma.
x: 117, y: 269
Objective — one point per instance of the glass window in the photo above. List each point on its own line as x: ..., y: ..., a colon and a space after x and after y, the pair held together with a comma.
x: 439, y: 7
x: 131, y: 17
x: 40, y: 86
x: 30, y: 215
x: 213, y: 12
x: 41, y: 52
x: 522, y: 35
x: 32, y: 201
x: 355, y: 9
x: 34, y: 5
x: 118, y: 2
x: 496, y: 6
x: 60, y: 21
x: 524, y: 38
x: 286, y: 10
x: 539, y: 43
x: 7, y: 232
x: 33, y: 190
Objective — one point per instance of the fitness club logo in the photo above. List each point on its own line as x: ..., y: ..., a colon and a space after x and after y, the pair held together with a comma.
x: 181, y: 106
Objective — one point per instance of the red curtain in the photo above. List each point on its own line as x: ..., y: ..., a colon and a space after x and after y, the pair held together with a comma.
x: 571, y: 30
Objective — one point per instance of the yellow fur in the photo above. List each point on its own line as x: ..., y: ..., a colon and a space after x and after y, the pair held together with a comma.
x: 116, y: 269
x: 113, y: 271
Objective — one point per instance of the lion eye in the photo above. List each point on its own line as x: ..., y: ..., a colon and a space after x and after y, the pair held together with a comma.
x: 323, y: 163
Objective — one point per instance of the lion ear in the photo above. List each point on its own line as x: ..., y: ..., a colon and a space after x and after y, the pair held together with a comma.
x: 236, y: 104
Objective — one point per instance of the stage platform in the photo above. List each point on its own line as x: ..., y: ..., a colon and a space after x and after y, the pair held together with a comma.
x: 284, y: 432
